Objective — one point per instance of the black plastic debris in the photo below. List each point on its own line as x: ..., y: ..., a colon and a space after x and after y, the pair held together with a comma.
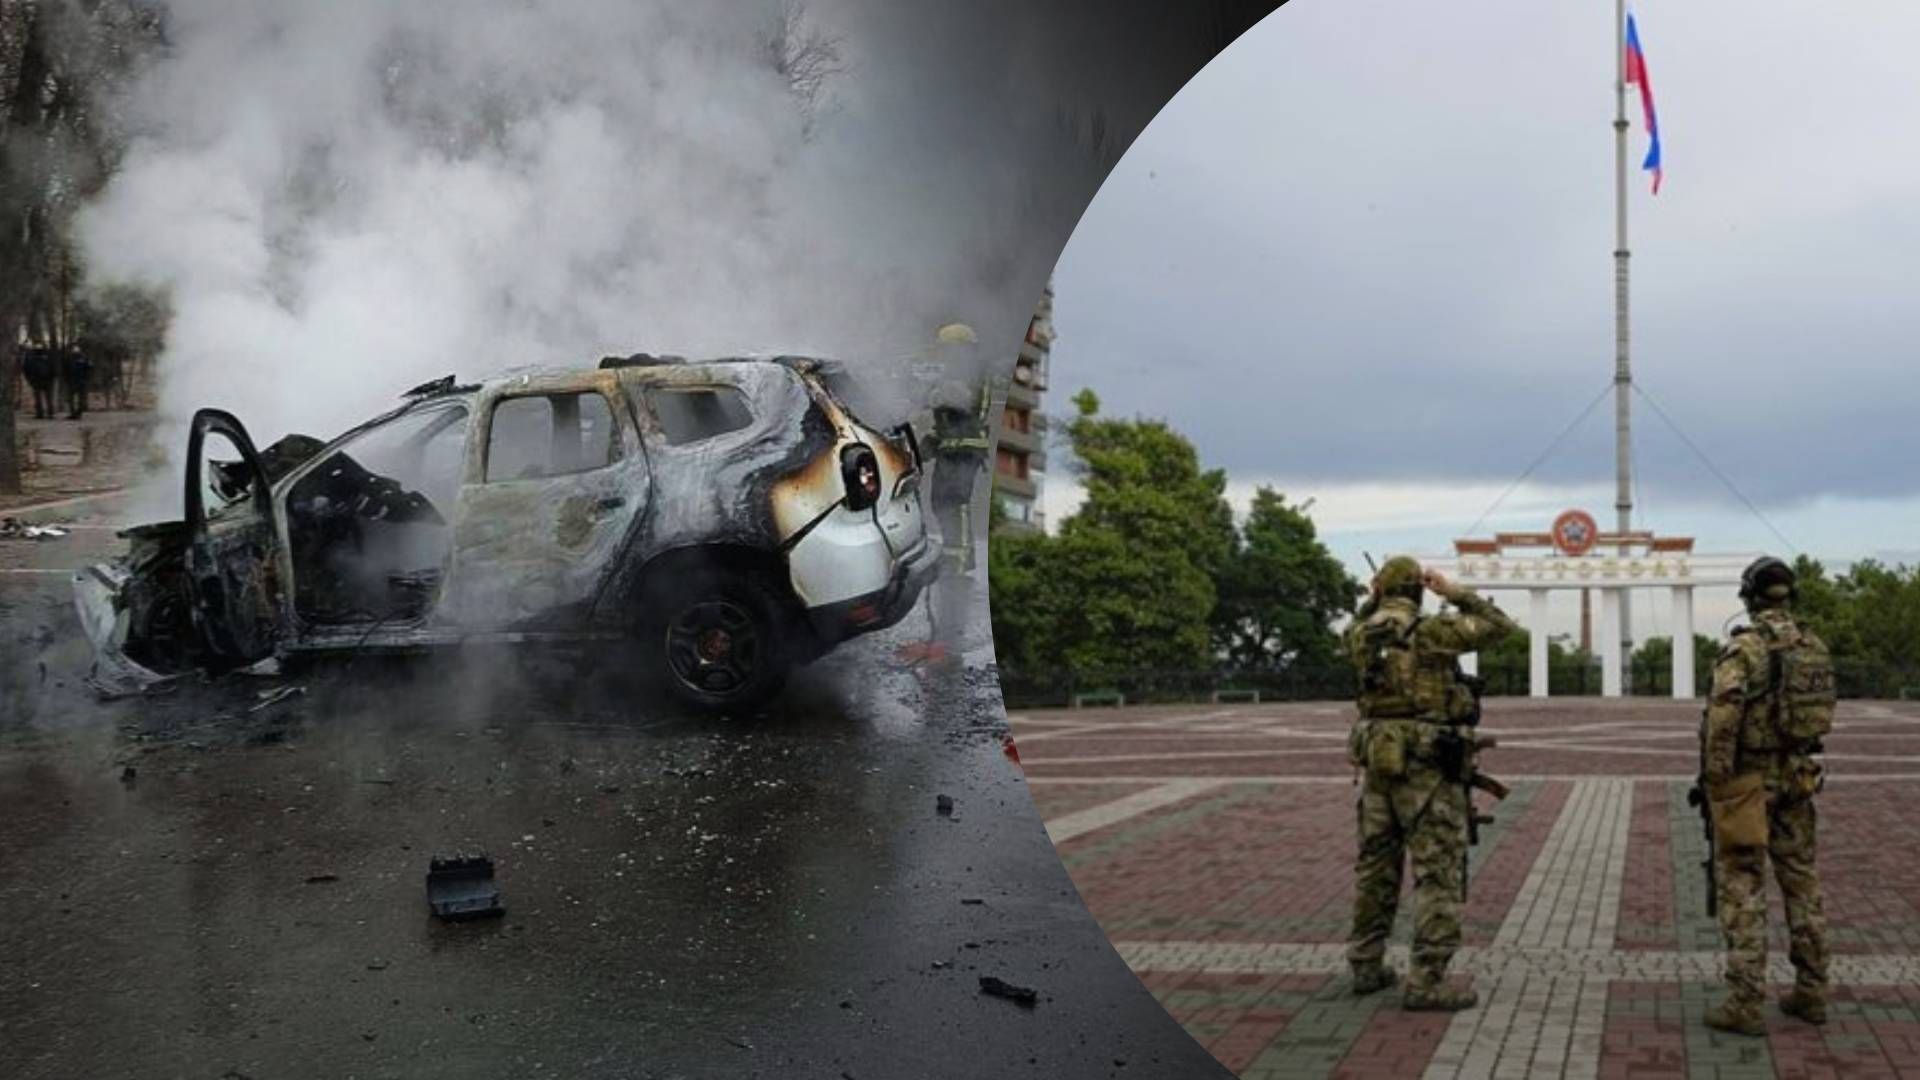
x: 943, y: 805
x: 997, y: 987
x: 462, y: 887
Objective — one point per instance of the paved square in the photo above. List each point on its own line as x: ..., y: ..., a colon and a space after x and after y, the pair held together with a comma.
x: 1215, y: 845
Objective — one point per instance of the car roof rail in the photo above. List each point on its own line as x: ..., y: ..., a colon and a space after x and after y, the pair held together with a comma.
x: 445, y: 384
x: 639, y: 359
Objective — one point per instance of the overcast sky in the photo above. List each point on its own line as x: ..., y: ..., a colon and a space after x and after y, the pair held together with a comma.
x: 1365, y: 256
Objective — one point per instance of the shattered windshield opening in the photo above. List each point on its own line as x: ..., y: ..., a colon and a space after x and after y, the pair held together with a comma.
x: 368, y: 523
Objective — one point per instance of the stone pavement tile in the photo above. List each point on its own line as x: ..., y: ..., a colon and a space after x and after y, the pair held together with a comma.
x: 1871, y: 887
x: 1144, y: 840
x: 1646, y: 909
x: 1716, y: 1054
x: 1246, y: 862
x: 1693, y: 928
x: 1234, y: 909
x: 1643, y: 1031
x: 1393, y: 1043
x: 1508, y: 850
x: 1057, y: 800
x: 1571, y: 896
x: 1139, y: 804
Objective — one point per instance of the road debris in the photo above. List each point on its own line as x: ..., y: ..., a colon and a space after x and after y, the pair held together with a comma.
x: 15, y: 529
x: 1021, y: 995
x: 462, y: 887
x: 269, y: 698
x: 105, y: 690
x: 943, y: 805
x: 322, y: 879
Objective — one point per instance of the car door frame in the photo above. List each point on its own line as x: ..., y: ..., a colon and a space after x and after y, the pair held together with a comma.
x: 213, y: 544
x: 304, y: 635
x: 637, y: 506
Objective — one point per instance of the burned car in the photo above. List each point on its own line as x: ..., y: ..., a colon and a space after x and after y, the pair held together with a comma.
x: 722, y: 521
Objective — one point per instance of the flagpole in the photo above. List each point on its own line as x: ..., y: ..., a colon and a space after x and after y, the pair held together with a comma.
x: 1622, y: 369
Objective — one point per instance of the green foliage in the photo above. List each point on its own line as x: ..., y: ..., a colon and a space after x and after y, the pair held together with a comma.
x: 1870, y: 619
x: 996, y: 514
x: 1507, y: 664
x: 1280, y: 590
x: 1151, y: 574
x: 1128, y: 582
x: 1088, y: 601
x: 1144, y: 484
x: 1653, y: 660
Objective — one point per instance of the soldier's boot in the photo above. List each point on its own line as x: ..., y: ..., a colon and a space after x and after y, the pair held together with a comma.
x: 1428, y: 992
x: 1808, y: 1005
x: 1373, y: 978
x: 1738, y: 1017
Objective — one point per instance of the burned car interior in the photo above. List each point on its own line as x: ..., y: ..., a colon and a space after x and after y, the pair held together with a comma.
x: 728, y: 518
x: 365, y: 525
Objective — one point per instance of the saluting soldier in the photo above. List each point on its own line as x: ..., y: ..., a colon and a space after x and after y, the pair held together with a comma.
x: 1411, y: 700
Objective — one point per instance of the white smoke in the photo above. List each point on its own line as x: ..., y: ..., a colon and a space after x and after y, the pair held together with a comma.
x: 346, y: 199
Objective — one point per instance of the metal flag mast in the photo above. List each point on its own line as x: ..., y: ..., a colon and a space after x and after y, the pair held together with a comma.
x: 1622, y: 367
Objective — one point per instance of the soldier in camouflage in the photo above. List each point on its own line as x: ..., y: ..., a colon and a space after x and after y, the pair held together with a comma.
x: 1410, y: 697
x: 1740, y: 737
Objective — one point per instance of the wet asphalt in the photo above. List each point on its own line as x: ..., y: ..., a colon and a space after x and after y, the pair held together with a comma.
x: 215, y: 882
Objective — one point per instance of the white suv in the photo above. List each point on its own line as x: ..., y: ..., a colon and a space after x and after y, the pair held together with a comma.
x: 728, y: 519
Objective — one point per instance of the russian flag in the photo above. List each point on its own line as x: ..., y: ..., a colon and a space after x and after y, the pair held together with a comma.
x: 1636, y: 70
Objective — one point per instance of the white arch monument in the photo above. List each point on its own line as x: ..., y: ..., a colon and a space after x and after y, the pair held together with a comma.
x: 1575, y: 554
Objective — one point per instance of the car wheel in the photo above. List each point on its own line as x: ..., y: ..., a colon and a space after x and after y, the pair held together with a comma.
x: 720, y: 641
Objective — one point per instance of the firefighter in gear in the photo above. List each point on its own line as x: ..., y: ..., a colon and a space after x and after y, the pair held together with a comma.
x: 1411, y: 703
x: 960, y: 442
x: 1771, y: 703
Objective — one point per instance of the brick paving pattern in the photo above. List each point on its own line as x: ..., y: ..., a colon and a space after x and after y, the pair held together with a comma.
x: 1214, y: 844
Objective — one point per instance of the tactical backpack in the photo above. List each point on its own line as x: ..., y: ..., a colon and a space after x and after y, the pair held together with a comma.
x: 1800, y: 685
x: 1385, y: 662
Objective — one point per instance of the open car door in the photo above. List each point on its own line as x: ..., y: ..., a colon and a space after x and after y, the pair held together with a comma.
x: 233, y: 544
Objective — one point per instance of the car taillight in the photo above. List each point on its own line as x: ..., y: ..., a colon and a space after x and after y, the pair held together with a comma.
x: 860, y: 473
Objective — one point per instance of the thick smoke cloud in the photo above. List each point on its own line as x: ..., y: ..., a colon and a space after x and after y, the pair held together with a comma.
x: 350, y: 198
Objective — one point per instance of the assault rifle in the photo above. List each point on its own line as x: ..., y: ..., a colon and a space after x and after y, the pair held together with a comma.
x: 1697, y: 797
x: 1460, y: 760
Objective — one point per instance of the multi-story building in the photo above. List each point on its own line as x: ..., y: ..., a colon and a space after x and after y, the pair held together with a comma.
x: 1020, y: 454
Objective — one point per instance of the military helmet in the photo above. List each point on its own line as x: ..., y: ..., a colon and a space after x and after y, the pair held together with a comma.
x: 1767, y: 580
x: 1399, y: 576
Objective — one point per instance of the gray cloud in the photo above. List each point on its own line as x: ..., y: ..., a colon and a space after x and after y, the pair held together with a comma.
x: 1371, y: 242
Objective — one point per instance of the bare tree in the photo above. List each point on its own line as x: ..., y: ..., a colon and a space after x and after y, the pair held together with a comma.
x: 805, y: 57
x: 62, y: 64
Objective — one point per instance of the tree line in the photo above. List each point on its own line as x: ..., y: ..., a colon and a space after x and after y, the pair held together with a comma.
x: 1153, y: 575
x: 1152, y: 587
x: 65, y: 66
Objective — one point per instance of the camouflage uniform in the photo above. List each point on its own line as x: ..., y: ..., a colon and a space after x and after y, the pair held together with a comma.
x: 1739, y: 738
x: 1406, y: 804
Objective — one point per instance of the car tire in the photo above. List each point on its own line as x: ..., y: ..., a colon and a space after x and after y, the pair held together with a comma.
x: 718, y: 641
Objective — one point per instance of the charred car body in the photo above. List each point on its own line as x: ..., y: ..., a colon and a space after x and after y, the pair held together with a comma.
x: 725, y: 519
